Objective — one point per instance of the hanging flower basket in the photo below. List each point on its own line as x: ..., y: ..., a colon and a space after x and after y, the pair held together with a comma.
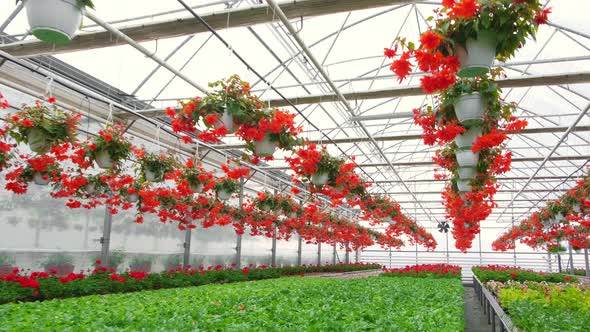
x: 38, y: 141
x: 477, y: 56
x: 467, y: 158
x: 55, y: 21
x: 265, y: 147
x: 226, y: 120
x: 464, y: 185
x: 197, y: 188
x: 320, y: 178
x: 90, y: 188
x: 469, y: 109
x: 41, y: 179
x: 152, y: 176
x: 103, y: 159
x: 467, y: 173
x: 132, y: 198
x: 467, y: 139
x: 224, y: 195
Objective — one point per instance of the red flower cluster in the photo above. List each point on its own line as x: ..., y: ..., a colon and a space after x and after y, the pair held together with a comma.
x: 425, y: 269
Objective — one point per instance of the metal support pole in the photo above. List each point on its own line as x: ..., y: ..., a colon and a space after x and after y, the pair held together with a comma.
x: 187, y: 248
x: 480, y: 257
x: 571, y: 258
x: 319, y: 253
x: 416, y: 253
x: 587, y: 262
x: 549, y: 261
x: 347, y: 255
x: 299, y: 250
x: 447, y: 246
x: 390, y: 257
x: 273, y: 259
x: 334, y: 253
x: 239, y: 238
x: 559, y: 262
x: 105, y: 240
x: 358, y: 256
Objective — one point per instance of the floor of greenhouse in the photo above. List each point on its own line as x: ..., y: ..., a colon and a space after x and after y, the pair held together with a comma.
x: 475, y: 319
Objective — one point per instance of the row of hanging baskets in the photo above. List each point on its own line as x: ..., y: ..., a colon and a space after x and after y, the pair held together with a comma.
x: 469, y: 120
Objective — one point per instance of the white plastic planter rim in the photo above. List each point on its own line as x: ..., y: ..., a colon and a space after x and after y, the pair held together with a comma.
x: 54, y: 21
x: 469, y: 109
x: 265, y: 147
x: 103, y: 159
x: 478, y: 55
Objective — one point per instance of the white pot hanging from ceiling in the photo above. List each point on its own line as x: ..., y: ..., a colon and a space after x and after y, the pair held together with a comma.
x: 265, y: 147
x: 37, y: 140
x: 54, y: 21
x: 226, y: 120
x: 198, y: 188
x: 468, y: 138
x: 103, y: 159
x: 464, y: 185
x: 223, y: 195
x: 469, y: 109
x: 320, y: 178
x: 132, y: 198
x: 467, y: 158
x: 41, y: 179
x: 477, y: 56
x: 90, y: 188
x: 153, y: 176
x: 467, y: 173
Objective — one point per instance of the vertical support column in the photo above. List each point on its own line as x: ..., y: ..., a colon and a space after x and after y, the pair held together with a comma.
x: 559, y: 262
x: 357, y: 258
x: 480, y: 257
x: 390, y: 257
x: 514, y: 250
x: 347, y: 255
x: 447, y: 246
x: 587, y: 262
x: 239, y: 238
x: 105, y: 240
x: 319, y: 253
x: 273, y: 258
x: 187, y: 248
x: 549, y: 261
x: 273, y: 250
x: 299, y: 250
x: 416, y: 253
x: 334, y: 253
x: 571, y: 258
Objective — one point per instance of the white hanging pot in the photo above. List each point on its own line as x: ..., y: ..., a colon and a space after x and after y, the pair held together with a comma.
x: 90, y: 188
x: 467, y: 173
x: 469, y: 109
x: 196, y: 188
x: 40, y: 178
x: 265, y: 208
x: 265, y: 147
x: 320, y: 179
x: 223, y: 195
x: 467, y: 158
x: 103, y: 159
x: 292, y: 215
x: 153, y: 176
x: 37, y: 141
x: 54, y: 21
x: 464, y: 185
x: 577, y: 208
x: 478, y: 55
x: 132, y: 198
x: 227, y: 120
x: 468, y: 138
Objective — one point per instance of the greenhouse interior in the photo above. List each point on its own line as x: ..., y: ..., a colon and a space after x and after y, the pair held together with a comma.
x: 314, y: 165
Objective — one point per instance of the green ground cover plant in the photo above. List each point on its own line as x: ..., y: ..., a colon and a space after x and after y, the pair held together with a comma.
x: 20, y: 287
x: 503, y: 273
x: 285, y: 304
x: 547, y: 307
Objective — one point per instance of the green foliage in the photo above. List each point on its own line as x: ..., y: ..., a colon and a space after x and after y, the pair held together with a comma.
x: 101, y: 283
x: 538, y: 307
x: 485, y: 275
x: 228, y: 185
x: 112, y: 141
x: 288, y: 304
x: 57, y: 260
x: 233, y: 95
